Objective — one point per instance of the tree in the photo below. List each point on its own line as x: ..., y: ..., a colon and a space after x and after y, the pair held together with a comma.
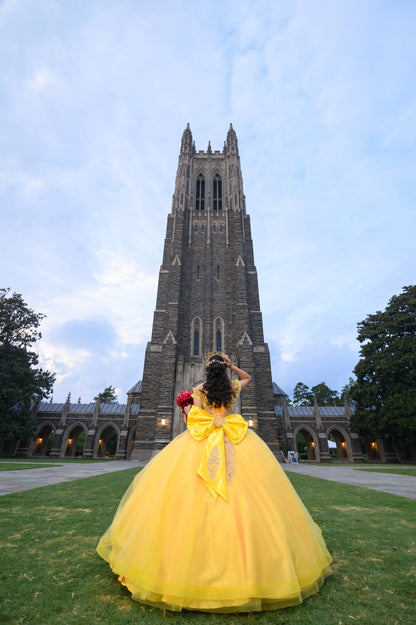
x: 385, y: 389
x: 107, y: 396
x: 325, y: 396
x: 22, y: 383
x: 302, y: 396
x: 346, y: 395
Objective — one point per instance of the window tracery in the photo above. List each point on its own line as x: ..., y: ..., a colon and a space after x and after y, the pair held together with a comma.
x: 196, y: 336
x: 200, y: 193
x: 219, y: 334
x: 217, y: 193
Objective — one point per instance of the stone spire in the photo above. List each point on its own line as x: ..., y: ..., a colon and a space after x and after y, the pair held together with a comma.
x: 187, y: 142
x: 232, y: 143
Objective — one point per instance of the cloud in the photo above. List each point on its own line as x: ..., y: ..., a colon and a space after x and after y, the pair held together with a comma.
x: 93, y: 105
x: 61, y: 360
x: 42, y: 79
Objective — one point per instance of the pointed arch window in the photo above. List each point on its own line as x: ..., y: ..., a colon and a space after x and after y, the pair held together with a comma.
x: 217, y: 193
x: 196, y: 336
x: 200, y: 193
x: 219, y: 334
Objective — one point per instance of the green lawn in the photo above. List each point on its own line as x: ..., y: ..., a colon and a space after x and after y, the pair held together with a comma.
x: 16, y: 466
x: 51, y: 573
x: 399, y: 471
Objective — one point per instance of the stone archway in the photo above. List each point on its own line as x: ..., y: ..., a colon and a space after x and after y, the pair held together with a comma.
x: 75, y: 441
x: 343, y: 443
x: 306, y: 444
x: 107, y: 443
x: 43, y: 440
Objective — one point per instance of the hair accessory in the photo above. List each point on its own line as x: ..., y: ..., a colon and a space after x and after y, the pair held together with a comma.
x: 211, y: 355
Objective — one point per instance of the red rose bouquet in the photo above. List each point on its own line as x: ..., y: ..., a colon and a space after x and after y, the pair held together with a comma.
x: 184, y: 399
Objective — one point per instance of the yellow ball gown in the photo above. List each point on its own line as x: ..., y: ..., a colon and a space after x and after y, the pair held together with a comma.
x: 212, y: 523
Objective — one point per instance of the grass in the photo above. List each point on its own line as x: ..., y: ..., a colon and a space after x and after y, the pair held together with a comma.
x: 53, y: 574
x: 16, y: 466
x: 399, y: 471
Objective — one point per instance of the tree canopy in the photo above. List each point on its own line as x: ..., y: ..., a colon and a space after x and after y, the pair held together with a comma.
x: 18, y: 323
x: 303, y: 396
x: 385, y: 389
x: 22, y: 382
x: 107, y: 396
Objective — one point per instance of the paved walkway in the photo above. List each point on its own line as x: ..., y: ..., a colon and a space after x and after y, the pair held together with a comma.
x: 25, y: 479
x: 404, y: 485
x: 15, y: 481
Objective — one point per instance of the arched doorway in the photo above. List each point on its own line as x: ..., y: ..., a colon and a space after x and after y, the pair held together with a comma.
x: 306, y: 445
x: 75, y: 441
x: 343, y: 446
x: 107, y: 442
x: 43, y: 441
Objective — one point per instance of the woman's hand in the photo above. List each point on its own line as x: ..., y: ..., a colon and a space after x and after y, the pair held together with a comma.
x: 226, y: 360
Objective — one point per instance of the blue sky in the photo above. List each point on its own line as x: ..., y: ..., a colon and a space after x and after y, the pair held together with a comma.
x: 94, y: 97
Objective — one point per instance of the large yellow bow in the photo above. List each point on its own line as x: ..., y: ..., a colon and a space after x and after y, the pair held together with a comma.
x: 212, y: 467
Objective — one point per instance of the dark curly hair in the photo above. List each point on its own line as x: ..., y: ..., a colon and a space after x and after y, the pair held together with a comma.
x: 217, y: 386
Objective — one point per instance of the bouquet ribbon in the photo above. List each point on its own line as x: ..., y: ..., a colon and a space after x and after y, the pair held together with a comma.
x: 212, y: 468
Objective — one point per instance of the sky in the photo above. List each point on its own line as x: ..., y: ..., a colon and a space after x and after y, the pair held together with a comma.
x: 94, y: 98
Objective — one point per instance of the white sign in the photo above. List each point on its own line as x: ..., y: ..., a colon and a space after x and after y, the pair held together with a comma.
x: 292, y: 457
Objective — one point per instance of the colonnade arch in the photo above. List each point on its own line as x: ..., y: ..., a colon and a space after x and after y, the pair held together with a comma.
x: 307, y: 442
x: 74, y: 440
x: 61, y: 429
x: 343, y: 442
x: 42, y: 439
x: 106, y: 440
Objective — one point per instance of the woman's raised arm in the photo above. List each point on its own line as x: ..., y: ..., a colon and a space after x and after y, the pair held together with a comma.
x: 243, y: 375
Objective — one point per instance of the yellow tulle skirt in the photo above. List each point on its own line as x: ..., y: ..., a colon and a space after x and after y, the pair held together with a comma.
x: 175, y: 546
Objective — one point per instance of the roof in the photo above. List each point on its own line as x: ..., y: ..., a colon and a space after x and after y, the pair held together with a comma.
x: 81, y: 407
x: 332, y: 410
x: 118, y: 409
x: 112, y: 408
x: 45, y: 406
x: 308, y: 411
x: 278, y: 391
x: 296, y: 411
x: 137, y: 388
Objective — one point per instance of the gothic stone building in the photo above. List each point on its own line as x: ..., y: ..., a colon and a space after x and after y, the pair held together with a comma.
x: 207, y: 299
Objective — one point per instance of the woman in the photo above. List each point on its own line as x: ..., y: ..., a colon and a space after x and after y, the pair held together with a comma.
x: 212, y: 523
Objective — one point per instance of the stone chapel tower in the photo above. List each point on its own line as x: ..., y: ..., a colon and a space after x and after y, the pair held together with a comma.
x: 207, y: 299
